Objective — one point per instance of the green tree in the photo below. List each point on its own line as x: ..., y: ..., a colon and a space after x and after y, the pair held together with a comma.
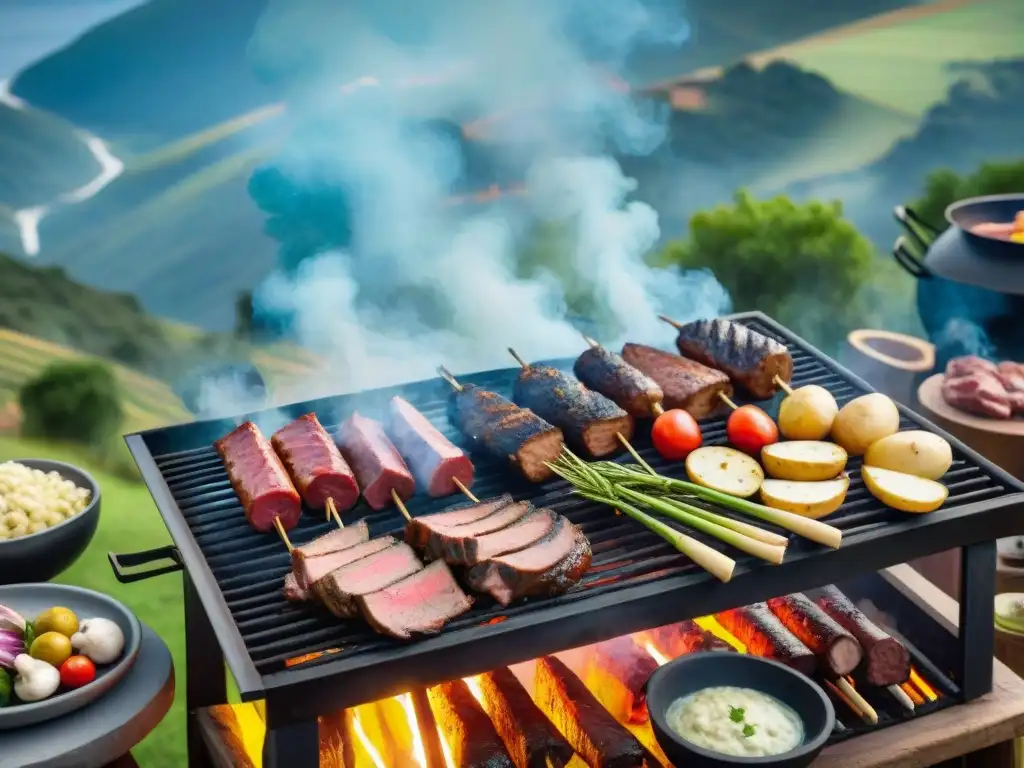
x: 943, y: 187
x: 802, y: 264
x: 76, y: 401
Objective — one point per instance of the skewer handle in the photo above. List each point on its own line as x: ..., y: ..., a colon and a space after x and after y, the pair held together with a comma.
x: 674, y: 323
x: 462, y: 487
x: 867, y: 712
x: 400, y: 504
x: 332, y: 512
x: 518, y: 358
x: 901, y: 696
x: 445, y: 374
x: 283, y: 534
x: 782, y: 385
x: 727, y: 400
x: 592, y: 342
x: 657, y: 409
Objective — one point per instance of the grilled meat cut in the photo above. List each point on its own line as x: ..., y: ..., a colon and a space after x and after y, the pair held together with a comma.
x: 378, y: 465
x: 838, y: 653
x: 965, y: 365
x: 259, y: 478
x: 471, y: 737
x: 594, y: 734
x: 457, y: 546
x: 531, y: 739
x: 526, y: 531
x: 589, y: 420
x: 293, y: 593
x: 685, y: 383
x: 310, y: 570
x: 621, y: 669
x: 549, y: 567
x: 419, y: 529
x: 339, y: 589
x: 419, y: 604
x: 751, y: 359
x: 633, y: 390
x: 336, y: 540
x: 315, y: 464
x: 686, y: 637
x: 435, y: 461
x: 764, y: 635
x: 506, y: 431
x: 886, y: 659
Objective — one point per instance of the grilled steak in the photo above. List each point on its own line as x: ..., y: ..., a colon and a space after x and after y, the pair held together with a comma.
x: 685, y: 383
x: 764, y: 635
x: 686, y: 637
x: 594, y: 734
x: 467, y: 730
x: 457, y: 546
x: 339, y: 589
x: 309, y: 570
x: 633, y: 390
x: 979, y: 393
x: 526, y: 531
x: 549, y: 567
x: 623, y: 661
x: 418, y: 530
x: 530, y: 738
x: 417, y: 605
x: 315, y: 464
x: 336, y: 540
x: 293, y: 593
x: 506, y: 431
x: 966, y: 365
x: 378, y: 465
x: 837, y: 651
x: 435, y: 462
x: 589, y: 420
x: 259, y: 479
x: 751, y: 359
x: 886, y: 659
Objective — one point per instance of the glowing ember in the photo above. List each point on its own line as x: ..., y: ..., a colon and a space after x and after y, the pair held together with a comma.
x: 449, y: 761
x: 656, y: 655
x: 419, y: 752
x: 911, y: 691
x: 367, y: 745
x: 710, y: 624
x: 478, y: 693
x: 922, y: 686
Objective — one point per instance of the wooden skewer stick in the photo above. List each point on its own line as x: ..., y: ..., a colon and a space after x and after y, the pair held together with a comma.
x: 283, y: 533
x: 657, y: 409
x: 639, y: 459
x: 727, y: 400
x: 462, y: 487
x: 332, y: 512
x: 445, y: 374
x: 866, y: 711
x: 592, y: 342
x: 518, y: 358
x: 782, y: 385
x: 674, y: 323
x: 902, y: 698
x: 400, y: 504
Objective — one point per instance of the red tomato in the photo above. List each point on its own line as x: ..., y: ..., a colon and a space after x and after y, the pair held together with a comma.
x: 675, y: 434
x: 77, y: 671
x: 750, y: 429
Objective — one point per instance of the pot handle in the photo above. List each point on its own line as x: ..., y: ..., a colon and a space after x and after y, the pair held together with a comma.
x: 118, y: 563
x: 915, y: 226
x: 908, y: 260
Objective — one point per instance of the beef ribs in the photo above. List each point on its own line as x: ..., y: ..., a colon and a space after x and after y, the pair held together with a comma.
x: 457, y: 546
x: 550, y: 567
x: 686, y: 384
x: 377, y: 464
x: 472, y: 739
x: 340, y: 589
x: 420, y: 604
x: 435, y: 461
x: 633, y: 390
x: 418, y: 530
x: 259, y: 479
x: 310, y: 570
x: 315, y: 464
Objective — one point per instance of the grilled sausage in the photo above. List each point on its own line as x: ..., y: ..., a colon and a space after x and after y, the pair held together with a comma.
x: 685, y: 383
x: 589, y: 420
x: 764, y: 635
x: 751, y: 359
x: 315, y: 464
x: 505, y: 430
x: 887, y: 661
x: 604, y: 371
x: 435, y: 462
x: 259, y: 479
x: 838, y: 652
x: 377, y: 464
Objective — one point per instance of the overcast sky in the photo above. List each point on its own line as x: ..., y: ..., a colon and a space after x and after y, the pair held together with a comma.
x: 30, y: 29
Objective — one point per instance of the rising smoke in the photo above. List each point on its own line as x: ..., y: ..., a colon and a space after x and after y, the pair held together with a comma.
x: 418, y: 283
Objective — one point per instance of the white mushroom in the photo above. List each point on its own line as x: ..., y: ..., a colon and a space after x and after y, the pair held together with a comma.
x: 36, y: 679
x: 99, y: 639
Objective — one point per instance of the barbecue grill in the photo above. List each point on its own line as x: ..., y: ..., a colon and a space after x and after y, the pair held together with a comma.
x: 235, y: 611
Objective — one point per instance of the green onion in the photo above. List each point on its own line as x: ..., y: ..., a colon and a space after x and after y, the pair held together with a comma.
x: 740, y: 527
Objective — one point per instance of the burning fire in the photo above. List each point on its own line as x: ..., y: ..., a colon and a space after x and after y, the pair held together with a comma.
x: 656, y: 655
x: 710, y: 624
x: 419, y: 752
x: 478, y: 693
x: 366, y: 743
x: 449, y: 761
x: 918, y: 682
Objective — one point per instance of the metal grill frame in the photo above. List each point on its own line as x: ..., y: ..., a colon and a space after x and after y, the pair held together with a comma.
x: 295, y: 697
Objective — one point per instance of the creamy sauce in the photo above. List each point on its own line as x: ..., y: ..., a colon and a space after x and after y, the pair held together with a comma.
x: 736, y: 721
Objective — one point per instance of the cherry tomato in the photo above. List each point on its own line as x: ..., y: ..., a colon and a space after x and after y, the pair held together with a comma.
x: 750, y: 429
x: 675, y: 434
x: 77, y: 671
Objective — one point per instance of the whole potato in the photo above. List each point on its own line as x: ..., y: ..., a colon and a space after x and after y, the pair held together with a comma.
x: 914, y: 452
x: 864, y: 421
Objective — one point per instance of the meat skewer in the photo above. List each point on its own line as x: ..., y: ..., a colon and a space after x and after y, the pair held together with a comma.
x: 502, y: 428
x: 586, y: 418
x: 315, y: 464
x: 686, y: 384
x: 377, y: 464
x: 436, y: 463
x: 749, y: 358
x: 630, y: 388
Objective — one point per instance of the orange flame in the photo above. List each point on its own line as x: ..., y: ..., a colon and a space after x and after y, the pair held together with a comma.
x: 929, y: 693
x: 911, y: 691
x: 367, y: 745
x: 710, y: 624
x: 419, y: 751
x: 473, y: 683
x: 449, y: 761
x: 656, y: 654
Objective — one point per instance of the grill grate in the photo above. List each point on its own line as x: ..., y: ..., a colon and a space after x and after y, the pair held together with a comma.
x: 248, y: 567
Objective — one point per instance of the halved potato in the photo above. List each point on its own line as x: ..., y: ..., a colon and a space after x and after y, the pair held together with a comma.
x: 904, y: 492
x: 805, y: 460
x: 914, y: 452
x: 725, y: 469
x: 814, y: 499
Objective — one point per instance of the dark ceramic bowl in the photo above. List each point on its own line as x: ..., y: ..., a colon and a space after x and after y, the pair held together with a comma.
x: 44, y: 555
x: 697, y: 671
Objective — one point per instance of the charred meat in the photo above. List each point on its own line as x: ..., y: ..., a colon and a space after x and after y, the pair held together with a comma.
x: 685, y: 383
x: 506, y: 431
x: 837, y: 651
x: 259, y: 478
x: 472, y: 740
x: 339, y: 589
x: 293, y: 593
x: 751, y: 359
x: 419, y: 529
x: 764, y: 635
x: 435, y: 461
x: 530, y: 738
x: 589, y: 420
x: 315, y: 464
x: 457, y: 546
x: 419, y: 604
x: 886, y: 659
x: 378, y: 465
x: 633, y: 390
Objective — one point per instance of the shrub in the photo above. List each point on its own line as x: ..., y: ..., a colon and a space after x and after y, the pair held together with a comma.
x: 76, y: 401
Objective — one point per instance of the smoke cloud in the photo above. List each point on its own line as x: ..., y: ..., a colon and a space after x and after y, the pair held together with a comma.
x: 423, y: 282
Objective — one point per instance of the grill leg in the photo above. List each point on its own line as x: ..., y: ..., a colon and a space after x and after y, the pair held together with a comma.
x: 292, y: 746
x: 205, y: 682
x: 977, y: 631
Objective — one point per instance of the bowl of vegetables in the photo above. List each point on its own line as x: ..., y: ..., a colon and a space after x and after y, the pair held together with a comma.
x: 49, y: 511
x: 61, y: 648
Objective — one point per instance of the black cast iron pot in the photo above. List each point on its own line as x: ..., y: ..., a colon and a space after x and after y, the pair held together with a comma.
x: 970, y: 287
